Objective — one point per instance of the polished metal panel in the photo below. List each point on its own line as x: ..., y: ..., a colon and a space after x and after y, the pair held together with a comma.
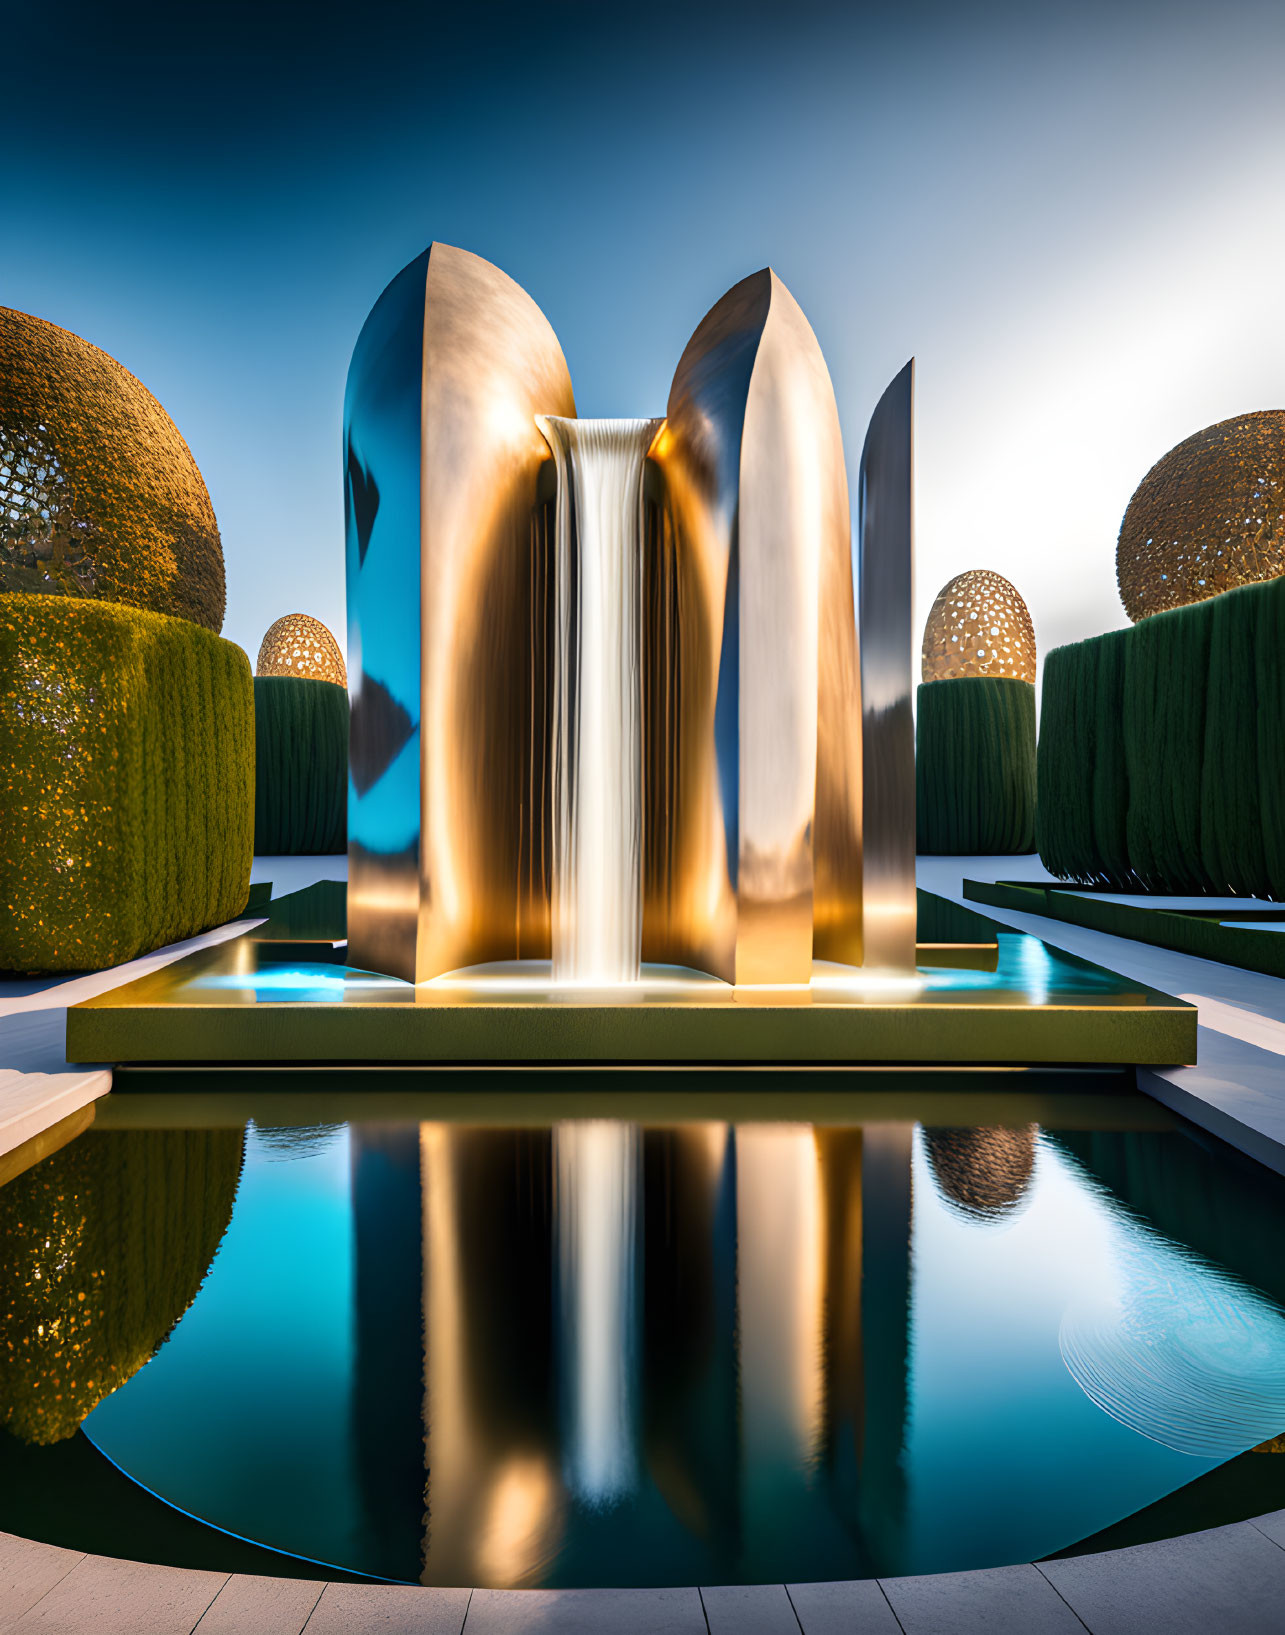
x: 886, y: 524
x: 751, y: 780
x: 751, y: 717
x: 449, y: 610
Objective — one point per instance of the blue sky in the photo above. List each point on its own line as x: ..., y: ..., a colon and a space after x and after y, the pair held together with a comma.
x: 1071, y: 215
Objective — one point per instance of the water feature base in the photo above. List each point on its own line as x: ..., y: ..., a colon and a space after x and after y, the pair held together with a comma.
x: 278, y: 995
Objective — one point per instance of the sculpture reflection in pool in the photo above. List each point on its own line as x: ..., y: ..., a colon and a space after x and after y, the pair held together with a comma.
x: 712, y: 757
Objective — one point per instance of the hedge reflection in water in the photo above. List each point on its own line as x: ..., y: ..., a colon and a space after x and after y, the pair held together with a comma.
x: 103, y: 1247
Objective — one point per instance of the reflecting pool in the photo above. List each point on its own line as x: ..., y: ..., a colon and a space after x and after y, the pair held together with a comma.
x: 909, y: 1332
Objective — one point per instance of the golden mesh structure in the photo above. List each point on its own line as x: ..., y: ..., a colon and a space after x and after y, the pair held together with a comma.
x: 1207, y: 517
x: 99, y: 494
x: 299, y: 645
x: 978, y: 626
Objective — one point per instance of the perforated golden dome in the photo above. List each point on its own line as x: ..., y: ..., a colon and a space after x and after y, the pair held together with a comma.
x: 1208, y: 517
x: 978, y: 626
x: 982, y: 1173
x: 99, y: 494
x: 299, y: 645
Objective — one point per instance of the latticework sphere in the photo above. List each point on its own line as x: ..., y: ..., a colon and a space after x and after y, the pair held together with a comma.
x: 978, y: 626
x: 1206, y: 518
x: 99, y: 494
x: 982, y: 1174
x: 299, y: 645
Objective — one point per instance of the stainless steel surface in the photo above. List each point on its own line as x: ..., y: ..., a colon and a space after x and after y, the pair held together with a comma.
x: 476, y: 877
x: 886, y: 524
x: 751, y: 802
x: 751, y: 718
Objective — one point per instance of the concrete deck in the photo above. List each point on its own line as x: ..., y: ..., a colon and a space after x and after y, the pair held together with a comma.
x: 38, y: 1089
x: 1230, y: 1580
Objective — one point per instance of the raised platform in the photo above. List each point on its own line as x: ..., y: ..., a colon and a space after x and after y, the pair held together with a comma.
x: 252, y: 1000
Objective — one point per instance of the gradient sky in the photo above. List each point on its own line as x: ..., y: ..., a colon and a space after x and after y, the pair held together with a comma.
x: 1070, y: 214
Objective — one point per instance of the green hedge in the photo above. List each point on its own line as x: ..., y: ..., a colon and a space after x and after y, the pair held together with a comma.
x: 1082, y: 786
x: 1162, y: 751
x: 126, y: 782
x: 975, y: 766
x: 301, y: 766
x: 107, y: 1243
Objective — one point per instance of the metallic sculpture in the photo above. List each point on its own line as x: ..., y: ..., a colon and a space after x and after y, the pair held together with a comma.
x: 885, y: 500
x: 978, y: 626
x: 753, y: 785
x: 299, y: 645
x: 448, y: 520
x: 733, y: 765
x: 1207, y: 517
x: 99, y: 494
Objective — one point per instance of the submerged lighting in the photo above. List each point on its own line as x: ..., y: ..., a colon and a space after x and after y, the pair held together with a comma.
x: 318, y: 979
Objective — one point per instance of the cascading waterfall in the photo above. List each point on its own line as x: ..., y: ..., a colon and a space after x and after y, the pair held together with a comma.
x: 597, y: 841
x: 597, y: 1202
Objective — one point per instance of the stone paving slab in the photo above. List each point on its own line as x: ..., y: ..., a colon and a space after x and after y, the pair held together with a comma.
x: 1227, y: 1581
x: 101, y: 1596
x: 995, y: 1601
x: 749, y: 1609
x: 585, y: 1612
x: 1272, y: 1526
x: 856, y: 1608
x: 388, y: 1609
x: 247, y: 1605
x: 27, y: 1571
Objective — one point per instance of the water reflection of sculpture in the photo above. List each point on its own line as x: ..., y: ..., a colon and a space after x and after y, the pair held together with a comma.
x: 102, y: 1249
x: 734, y: 1259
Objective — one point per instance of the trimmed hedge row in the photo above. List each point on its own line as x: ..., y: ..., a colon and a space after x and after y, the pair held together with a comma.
x: 1162, y: 751
x: 126, y: 782
x: 301, y: 766
x: 975, y: 766
x: 1082, y: 786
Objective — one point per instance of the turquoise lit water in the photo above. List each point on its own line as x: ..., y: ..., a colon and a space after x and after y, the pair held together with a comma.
x: 586, y: 1350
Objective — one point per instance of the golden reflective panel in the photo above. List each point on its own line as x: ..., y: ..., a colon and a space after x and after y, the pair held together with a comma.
x: 469, y: 549
x: 752, y: 817
x: 299, y: 645
x: 1207, y: 517
x: 978, y: 625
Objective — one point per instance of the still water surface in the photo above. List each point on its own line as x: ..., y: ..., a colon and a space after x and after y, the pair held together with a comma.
x: 594, y: 1351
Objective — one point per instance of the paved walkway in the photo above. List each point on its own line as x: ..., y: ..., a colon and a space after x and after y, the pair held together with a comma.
x: 1228, y: 1581
x: 1237, y: 1092
x: 40, y: 1092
